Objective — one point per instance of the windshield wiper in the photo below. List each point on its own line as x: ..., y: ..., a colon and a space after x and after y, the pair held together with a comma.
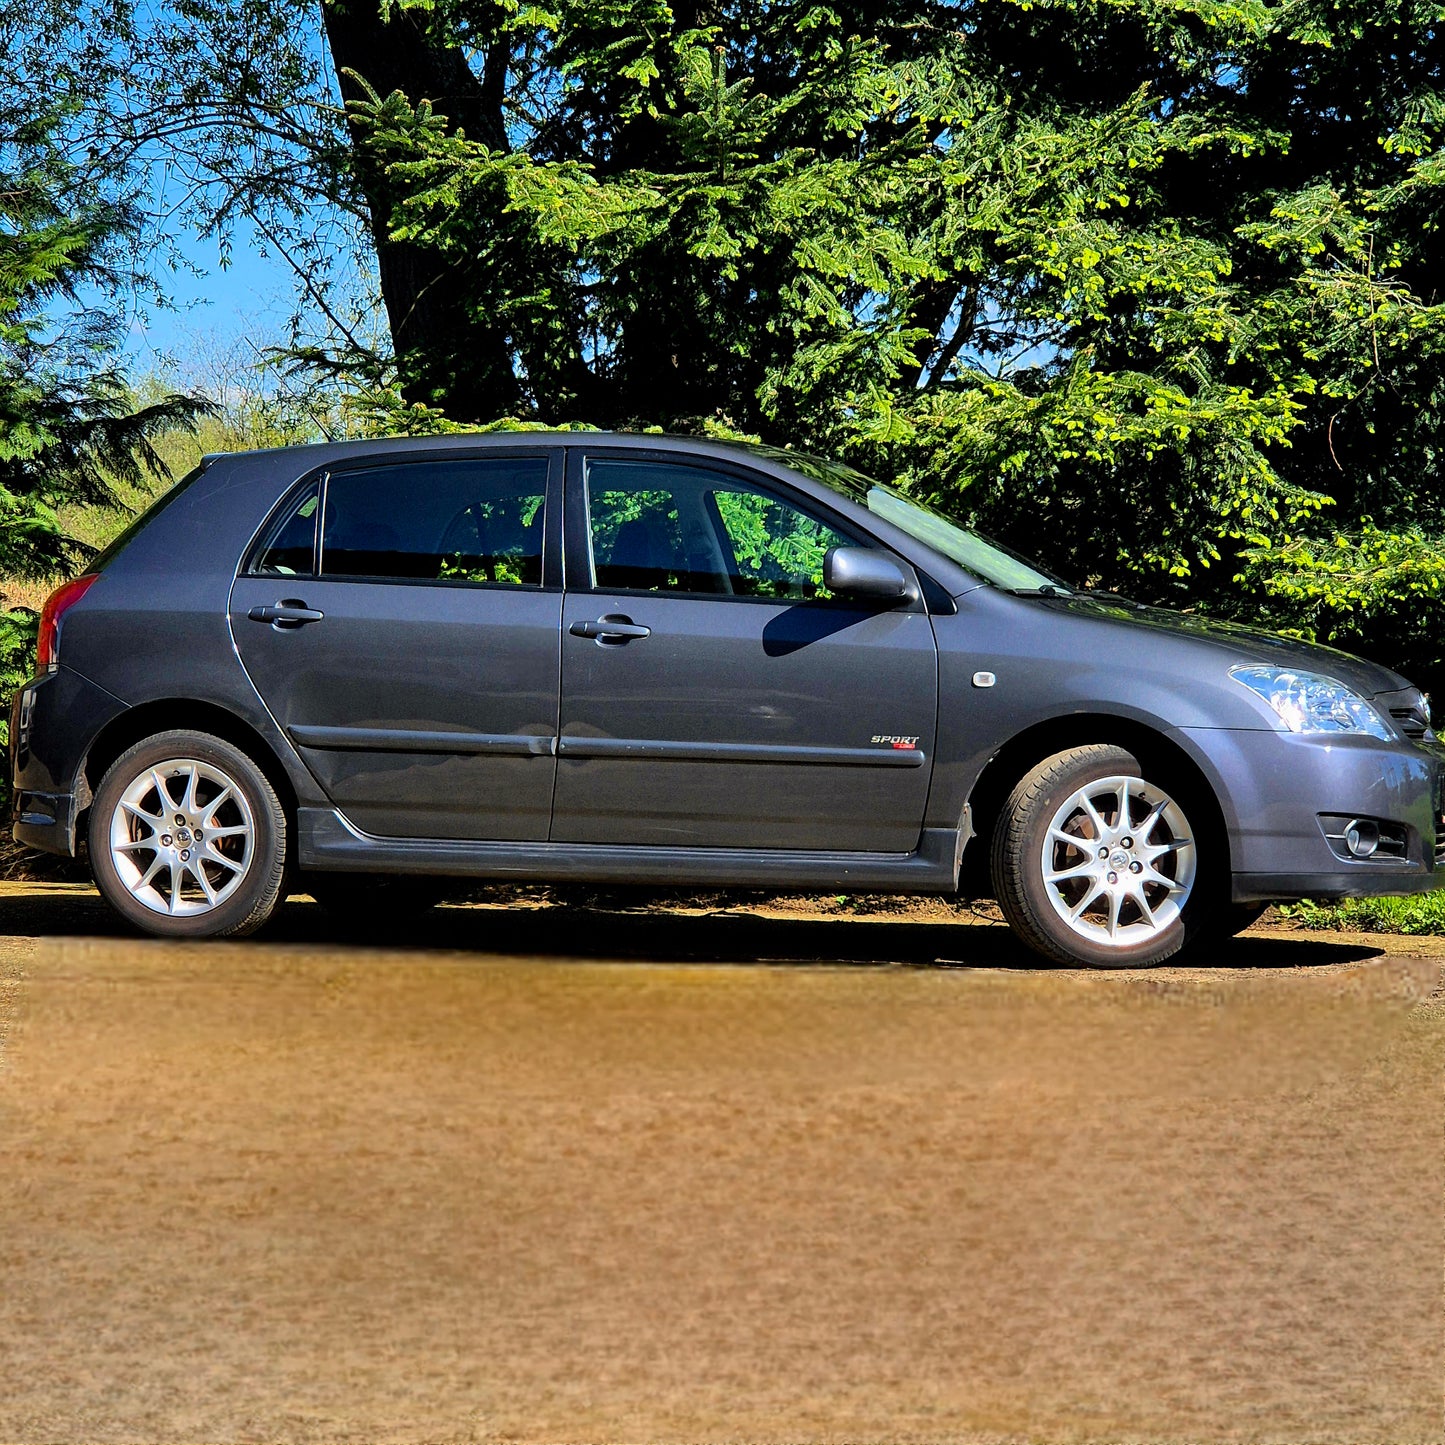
x: 1117, y: 598
x: 1047, y: 589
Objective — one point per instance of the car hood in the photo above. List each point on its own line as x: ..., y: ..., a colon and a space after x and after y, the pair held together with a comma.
x: 1245, y: 644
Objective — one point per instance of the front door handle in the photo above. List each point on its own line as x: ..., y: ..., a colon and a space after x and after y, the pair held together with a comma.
x: 286, y: 615
x: 610, y: 631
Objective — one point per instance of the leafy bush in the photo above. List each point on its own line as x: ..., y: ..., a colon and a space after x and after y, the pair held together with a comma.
x: 1424, y: 913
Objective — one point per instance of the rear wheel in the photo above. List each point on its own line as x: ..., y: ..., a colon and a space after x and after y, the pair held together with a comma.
x: 188, y: 838
x: 1096, y: 863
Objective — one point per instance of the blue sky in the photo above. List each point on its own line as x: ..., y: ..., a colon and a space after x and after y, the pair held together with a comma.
x: 251, y: 297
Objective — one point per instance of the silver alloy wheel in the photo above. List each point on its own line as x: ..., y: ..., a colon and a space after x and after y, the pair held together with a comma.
x: 1118, y: 861
x: 182, y: 837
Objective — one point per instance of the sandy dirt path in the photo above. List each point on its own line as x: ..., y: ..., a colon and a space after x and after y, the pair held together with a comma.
x: 894, y: 1184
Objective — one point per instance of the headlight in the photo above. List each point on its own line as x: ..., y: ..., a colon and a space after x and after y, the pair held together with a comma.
x: 1310, y: 702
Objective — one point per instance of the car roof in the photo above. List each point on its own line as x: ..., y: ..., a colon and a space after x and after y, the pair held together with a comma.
x: 322, y: 452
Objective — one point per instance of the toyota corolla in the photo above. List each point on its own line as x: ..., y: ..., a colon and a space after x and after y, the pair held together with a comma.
x: 654, y: 660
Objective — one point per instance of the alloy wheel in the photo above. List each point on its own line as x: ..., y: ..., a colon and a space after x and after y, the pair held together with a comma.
x: 182, y: 837
x: 1118, y: 861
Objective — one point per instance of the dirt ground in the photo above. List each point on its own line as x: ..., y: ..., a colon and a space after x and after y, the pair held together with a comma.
x: 574, y: 1174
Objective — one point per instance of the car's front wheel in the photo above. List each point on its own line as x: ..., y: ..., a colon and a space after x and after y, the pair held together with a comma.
x: 1094, y: 862
x: 188, y: 838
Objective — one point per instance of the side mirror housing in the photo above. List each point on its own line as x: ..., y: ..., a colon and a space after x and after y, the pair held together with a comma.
x: 864, y: 572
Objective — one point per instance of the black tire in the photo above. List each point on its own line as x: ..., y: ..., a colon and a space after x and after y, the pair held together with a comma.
x: 242, y: 863
x: 1104, y: 904
x: 1229, y: 922
x: 364, y: 895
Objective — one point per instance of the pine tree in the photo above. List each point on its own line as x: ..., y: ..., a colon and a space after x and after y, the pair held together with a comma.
x: 69, y: 430
x: 1150, y: 290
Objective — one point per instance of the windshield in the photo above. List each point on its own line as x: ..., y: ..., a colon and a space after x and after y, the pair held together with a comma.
x: 970, y: 550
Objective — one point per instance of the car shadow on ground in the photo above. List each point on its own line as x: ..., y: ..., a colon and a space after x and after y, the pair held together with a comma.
x: 654, y: 934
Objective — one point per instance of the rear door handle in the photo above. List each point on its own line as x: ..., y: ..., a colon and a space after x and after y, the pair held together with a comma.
x: 286, y: 615
x: 610, y: 630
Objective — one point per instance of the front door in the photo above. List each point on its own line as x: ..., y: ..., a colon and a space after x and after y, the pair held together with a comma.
x: 713, y: 693
x: 395, y: 620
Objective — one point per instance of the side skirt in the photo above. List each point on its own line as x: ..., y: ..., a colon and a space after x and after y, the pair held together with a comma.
x: 328, y: 843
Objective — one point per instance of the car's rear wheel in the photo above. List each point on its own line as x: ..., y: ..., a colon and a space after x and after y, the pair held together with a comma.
x: 188, y: 838
x: 1094, y: 862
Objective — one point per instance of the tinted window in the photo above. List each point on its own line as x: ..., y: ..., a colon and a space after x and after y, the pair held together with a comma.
x: 469, y: 520
x: 662, y: 528
x: 289, y: 548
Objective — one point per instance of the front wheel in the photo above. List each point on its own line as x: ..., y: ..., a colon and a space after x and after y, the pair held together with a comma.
x: 1230, y: 921
x: 1095, y: 863
x: 188, y: 838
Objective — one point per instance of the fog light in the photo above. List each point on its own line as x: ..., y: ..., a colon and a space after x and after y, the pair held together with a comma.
x: 1362, y: 838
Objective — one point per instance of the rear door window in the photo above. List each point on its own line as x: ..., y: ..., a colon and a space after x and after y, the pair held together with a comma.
x: 471, y: 520
x: 289, y: 548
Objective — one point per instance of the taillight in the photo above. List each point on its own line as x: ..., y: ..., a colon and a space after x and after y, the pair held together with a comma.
x: 47, y: 650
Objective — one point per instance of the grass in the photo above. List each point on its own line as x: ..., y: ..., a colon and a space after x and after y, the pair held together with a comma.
x: 1424, y: 913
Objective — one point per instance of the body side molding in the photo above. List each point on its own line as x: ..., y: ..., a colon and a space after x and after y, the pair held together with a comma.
x: 571, y: 746
x: 328, y: 843
x: 407, y: 740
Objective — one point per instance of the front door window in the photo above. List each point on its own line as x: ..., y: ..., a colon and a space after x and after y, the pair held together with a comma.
x: 660, y: 528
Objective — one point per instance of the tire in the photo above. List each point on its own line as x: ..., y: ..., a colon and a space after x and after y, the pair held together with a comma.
x: 1132, y: 907
x: 148, y: 866
x: 367, y: 894
x: 1230, y: 921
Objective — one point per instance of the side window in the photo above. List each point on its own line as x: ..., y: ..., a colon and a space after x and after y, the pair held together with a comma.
x: 469, y: 520
x: 776, y: 550
x: 660, y: 527
x: 640, y: 540
x: 289, y: 548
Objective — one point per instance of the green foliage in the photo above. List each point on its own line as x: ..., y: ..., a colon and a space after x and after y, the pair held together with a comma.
x: 17, y: 652
x: 69, y: 430
x: 1149, y: 290
x: 1423, y: 913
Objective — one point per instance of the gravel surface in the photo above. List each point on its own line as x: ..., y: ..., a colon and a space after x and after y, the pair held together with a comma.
x: 560, y: 1174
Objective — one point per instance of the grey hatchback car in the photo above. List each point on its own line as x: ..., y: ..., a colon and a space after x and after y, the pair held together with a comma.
x: 658, y: 660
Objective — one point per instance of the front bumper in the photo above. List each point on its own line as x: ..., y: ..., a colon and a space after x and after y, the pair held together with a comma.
x: 1274, y: 789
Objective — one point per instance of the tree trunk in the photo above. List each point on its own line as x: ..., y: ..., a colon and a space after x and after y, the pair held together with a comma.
x: 449, y: 350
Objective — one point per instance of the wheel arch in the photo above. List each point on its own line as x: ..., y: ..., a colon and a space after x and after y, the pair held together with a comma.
x: 1027, y: 749
x: 165, y: 715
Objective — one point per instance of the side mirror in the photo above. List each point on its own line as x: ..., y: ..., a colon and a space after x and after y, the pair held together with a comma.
x: 864, y: 572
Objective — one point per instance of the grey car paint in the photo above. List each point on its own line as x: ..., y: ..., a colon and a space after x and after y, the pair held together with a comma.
x: 761, y: 716
x: 421, y: 711
x: 162, y: 632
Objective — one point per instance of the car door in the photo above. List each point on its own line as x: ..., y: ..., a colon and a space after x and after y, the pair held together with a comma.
x: 713, y: 693
x: 401, y: 622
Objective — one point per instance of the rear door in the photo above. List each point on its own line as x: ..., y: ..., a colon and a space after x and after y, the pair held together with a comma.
x: 713, y: 693
x: 401, y: 621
